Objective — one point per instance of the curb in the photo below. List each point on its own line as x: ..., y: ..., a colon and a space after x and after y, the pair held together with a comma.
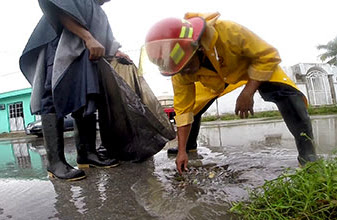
x: 25, y: 136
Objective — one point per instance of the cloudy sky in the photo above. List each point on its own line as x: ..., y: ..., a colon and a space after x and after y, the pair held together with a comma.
x: 294, y: 27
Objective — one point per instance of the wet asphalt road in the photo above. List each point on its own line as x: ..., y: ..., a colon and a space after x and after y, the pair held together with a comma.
x: 232, y: 158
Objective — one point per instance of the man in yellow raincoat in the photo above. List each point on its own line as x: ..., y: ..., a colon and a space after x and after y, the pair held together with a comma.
x: 208, y: 58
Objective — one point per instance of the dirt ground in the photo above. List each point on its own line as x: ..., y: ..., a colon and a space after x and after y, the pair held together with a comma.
x: 13, y: 134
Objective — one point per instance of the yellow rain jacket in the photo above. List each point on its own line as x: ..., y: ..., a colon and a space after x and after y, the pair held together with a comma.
x: 237, y: 54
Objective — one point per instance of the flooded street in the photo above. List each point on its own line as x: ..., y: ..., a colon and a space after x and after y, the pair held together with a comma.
x: 233, y: 157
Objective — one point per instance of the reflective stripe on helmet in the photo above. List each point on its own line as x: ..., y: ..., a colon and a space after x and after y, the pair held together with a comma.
x: 186, y: 32
x: 177, y: 53
x: 186, y: 29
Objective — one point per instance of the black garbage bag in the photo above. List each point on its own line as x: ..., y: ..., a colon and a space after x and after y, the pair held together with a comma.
x: 133, y: 130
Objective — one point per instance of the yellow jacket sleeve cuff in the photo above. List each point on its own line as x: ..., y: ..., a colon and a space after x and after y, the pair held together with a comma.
x: 259, y: 75
x: 184, y: 119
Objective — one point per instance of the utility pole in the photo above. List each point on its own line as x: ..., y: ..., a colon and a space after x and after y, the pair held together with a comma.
x: 217, y: 109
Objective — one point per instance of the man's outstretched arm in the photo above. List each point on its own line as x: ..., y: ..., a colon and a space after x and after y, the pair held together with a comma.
x: 182, y: 158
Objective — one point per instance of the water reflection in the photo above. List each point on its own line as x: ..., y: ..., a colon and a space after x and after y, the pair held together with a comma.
x: 104, y: 194
x: 272, y: 132
x: 325, y: 133
x: 18, y: 160
x: 26, y: 159
x: 230, y: 160
x: 26, y: 199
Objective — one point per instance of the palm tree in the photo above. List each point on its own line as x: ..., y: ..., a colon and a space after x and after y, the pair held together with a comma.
x: 330, y: 52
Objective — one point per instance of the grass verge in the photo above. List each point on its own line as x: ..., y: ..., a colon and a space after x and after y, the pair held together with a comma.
x: 306, y: 193
x: 322, y: 110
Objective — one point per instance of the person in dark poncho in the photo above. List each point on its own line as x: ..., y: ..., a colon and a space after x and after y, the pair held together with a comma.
x: 59, y: 62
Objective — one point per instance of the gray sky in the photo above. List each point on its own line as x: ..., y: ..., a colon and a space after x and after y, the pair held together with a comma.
x: 294, y: 27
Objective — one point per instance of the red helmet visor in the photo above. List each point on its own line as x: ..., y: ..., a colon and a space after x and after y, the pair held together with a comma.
x: 171, y: 55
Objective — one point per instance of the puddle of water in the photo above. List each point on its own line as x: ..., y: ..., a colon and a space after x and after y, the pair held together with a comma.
x: 230, y: 161
x: 27, y: 160
x: 26, y: 199
x: 202, y: 193
x: 272, y: 132
x: 18, y: 160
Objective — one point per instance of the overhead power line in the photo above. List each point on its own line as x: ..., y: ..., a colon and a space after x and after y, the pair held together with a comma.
x: 6, y: 74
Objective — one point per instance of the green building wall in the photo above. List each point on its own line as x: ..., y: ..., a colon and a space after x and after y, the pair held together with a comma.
x: 8, y: 98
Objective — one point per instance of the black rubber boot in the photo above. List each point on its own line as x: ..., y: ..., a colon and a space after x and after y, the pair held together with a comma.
x: 191, y: 145
x: 52, y: 128
x: 296, y: 117
x: 107, y: 149
x: 85, y: 138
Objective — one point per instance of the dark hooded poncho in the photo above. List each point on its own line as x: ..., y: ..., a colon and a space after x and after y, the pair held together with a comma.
x: 74, y: 76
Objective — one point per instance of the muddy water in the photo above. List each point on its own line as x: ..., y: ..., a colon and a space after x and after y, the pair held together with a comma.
x: 232, y: 158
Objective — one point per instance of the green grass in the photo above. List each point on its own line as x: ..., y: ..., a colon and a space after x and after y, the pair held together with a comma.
x: 302, y: 194
x: 322, y: 110
x: 307, y: 193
